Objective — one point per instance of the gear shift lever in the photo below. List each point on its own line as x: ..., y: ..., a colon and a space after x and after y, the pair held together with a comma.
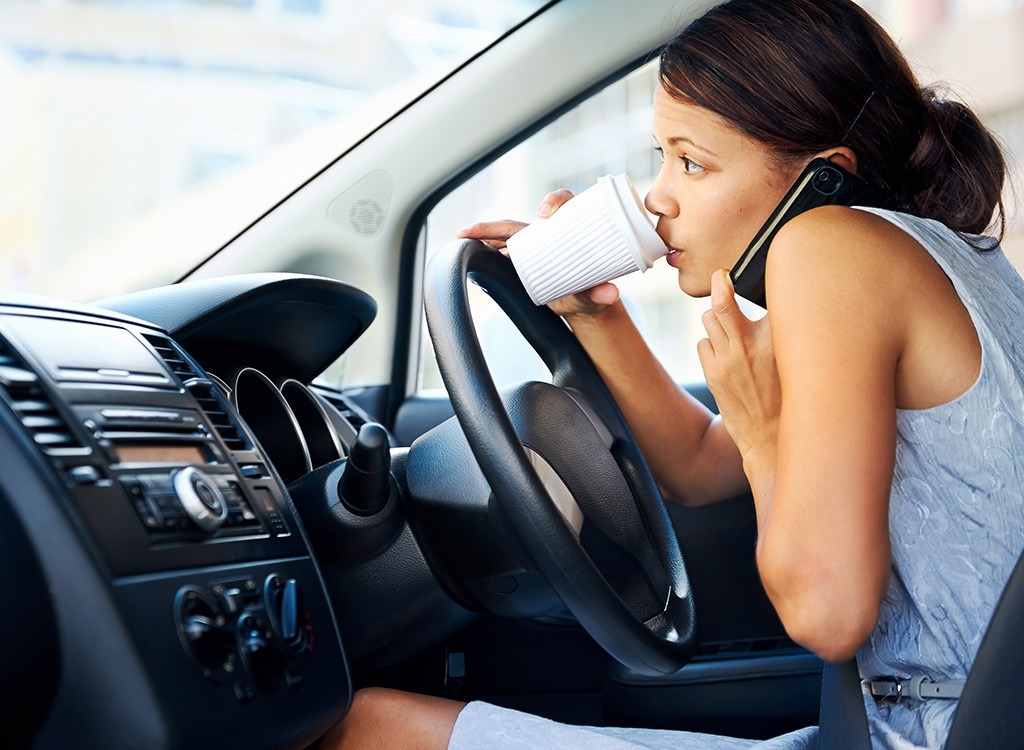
x: 365, y: 483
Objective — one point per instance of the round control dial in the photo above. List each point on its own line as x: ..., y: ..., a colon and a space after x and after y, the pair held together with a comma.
x: 205, y: 633
x: 200, y: 498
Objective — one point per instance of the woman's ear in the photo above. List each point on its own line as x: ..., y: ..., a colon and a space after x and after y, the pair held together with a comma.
x: 841, y: 156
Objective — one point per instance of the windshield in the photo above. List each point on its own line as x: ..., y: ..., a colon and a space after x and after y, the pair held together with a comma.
x: 139, y: 137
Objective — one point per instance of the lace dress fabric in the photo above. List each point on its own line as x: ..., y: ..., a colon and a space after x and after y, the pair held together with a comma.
x: 956, y: 523
x: 956, y: 511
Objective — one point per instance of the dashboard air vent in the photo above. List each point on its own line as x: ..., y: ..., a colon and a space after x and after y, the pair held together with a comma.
x: 353, y: 417
x: 352, y: 413
x: 172, y: 357
x: 212, y: 403
x: 33, y: 405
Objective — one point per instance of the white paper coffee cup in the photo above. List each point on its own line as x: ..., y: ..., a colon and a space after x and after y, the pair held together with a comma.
x: 601, y: 234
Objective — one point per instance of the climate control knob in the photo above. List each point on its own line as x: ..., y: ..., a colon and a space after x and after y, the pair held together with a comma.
x: 289, y: 618
x: 204, y: 633
x: 265, y: 662
x: 200, y: 498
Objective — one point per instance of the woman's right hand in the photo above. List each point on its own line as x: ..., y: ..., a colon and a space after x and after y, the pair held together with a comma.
x: 587, y: 303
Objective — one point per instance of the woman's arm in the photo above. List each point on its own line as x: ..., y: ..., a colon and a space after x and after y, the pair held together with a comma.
x: 822, y: 491
x: 686, y: 446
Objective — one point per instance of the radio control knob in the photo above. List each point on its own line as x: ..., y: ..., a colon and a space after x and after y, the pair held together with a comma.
x: 200, y: 498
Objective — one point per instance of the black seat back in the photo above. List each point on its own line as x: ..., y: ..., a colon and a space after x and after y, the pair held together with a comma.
x: 991, y: 710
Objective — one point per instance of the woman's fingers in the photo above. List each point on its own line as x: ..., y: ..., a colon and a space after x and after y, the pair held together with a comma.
x: 494, y: 233
x: 725, y: 324
x: 706, y: 355
x: 491, y: 230
x: 604, y: 294
x: 726, y: 311
x: 717, y: 336
x: 586, y: 303
x: 720, y: 320
x: 553, y: 201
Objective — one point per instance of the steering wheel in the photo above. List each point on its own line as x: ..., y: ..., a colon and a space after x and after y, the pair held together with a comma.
x: 621, y: 572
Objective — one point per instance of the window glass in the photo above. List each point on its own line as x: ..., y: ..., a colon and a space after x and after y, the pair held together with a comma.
x: 606, y: 134
x: 139, y: 136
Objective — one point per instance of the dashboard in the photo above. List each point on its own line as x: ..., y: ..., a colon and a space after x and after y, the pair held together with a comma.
x: 205, y: 549
x: 173, y: 595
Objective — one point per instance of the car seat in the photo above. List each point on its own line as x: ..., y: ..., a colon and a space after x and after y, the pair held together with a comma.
x: 990, y: 712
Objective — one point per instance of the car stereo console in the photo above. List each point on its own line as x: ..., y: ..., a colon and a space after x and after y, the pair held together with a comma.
x: 185, y: 518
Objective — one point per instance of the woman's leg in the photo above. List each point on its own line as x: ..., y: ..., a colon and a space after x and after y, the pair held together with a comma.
x: 393, y: 719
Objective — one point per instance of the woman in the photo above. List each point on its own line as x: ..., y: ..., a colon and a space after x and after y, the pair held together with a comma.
x: 875, y: 414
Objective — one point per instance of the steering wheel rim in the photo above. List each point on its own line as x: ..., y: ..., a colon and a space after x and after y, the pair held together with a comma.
x: 652, y: 644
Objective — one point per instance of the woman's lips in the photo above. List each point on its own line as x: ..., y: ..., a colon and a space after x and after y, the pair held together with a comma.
x: 674, y: 257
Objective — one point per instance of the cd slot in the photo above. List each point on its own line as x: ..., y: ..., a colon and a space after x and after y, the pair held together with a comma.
x: 142, y: 436
x: 184, y: 421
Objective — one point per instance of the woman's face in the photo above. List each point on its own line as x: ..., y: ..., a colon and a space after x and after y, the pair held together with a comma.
x: 715, y: 189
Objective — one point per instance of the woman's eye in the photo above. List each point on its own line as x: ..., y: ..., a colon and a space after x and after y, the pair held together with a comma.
x: 690, y: 166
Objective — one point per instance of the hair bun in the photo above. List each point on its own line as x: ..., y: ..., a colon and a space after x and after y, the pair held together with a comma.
x: 956, y: 171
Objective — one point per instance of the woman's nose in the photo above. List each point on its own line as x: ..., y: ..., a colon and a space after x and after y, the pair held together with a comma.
x: 659, y: 200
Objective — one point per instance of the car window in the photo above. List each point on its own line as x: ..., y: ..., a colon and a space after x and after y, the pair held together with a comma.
x: 608, y: 133
x: 139, y: 136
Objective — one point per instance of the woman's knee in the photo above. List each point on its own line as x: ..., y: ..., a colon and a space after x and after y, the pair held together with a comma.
x: 382, y: 717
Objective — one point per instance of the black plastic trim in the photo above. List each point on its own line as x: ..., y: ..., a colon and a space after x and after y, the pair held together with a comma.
x: 285, y: 325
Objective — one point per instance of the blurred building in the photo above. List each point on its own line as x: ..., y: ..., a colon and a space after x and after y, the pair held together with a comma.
x: 977, y: 48
x: 138, y: 136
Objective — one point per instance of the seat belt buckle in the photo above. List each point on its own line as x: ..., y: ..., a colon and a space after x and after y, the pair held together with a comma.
x: 886, y: 689
x: 919, y: 688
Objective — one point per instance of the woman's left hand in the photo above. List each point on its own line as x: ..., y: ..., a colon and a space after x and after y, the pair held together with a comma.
x: 739, y: 367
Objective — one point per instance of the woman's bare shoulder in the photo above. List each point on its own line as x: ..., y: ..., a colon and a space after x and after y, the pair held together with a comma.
x: 847, y: 275
x: 842, y: 237
x: 847, y: 256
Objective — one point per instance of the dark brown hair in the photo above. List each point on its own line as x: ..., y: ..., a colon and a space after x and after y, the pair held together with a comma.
x: 802, y: 76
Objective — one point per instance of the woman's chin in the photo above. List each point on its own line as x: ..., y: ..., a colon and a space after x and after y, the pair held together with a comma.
x: 693, y: 287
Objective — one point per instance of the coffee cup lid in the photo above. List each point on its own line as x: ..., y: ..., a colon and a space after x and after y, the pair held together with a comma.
x: 626, y: 206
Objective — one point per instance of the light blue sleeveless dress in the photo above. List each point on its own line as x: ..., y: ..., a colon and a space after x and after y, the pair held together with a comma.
x: 956, y: 523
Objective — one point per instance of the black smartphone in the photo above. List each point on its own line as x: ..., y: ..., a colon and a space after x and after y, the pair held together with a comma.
x: 822, y: 183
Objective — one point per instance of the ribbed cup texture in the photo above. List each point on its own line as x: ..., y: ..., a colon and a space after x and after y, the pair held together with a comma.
x: 558, y: 258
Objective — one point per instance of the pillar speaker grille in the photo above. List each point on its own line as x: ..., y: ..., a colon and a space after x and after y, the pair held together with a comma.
x: 364, y: 205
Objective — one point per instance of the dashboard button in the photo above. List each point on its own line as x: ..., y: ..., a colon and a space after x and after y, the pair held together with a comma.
x: 84, y: 474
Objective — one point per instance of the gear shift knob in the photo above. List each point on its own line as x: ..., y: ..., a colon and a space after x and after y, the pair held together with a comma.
x: 365, y: 483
